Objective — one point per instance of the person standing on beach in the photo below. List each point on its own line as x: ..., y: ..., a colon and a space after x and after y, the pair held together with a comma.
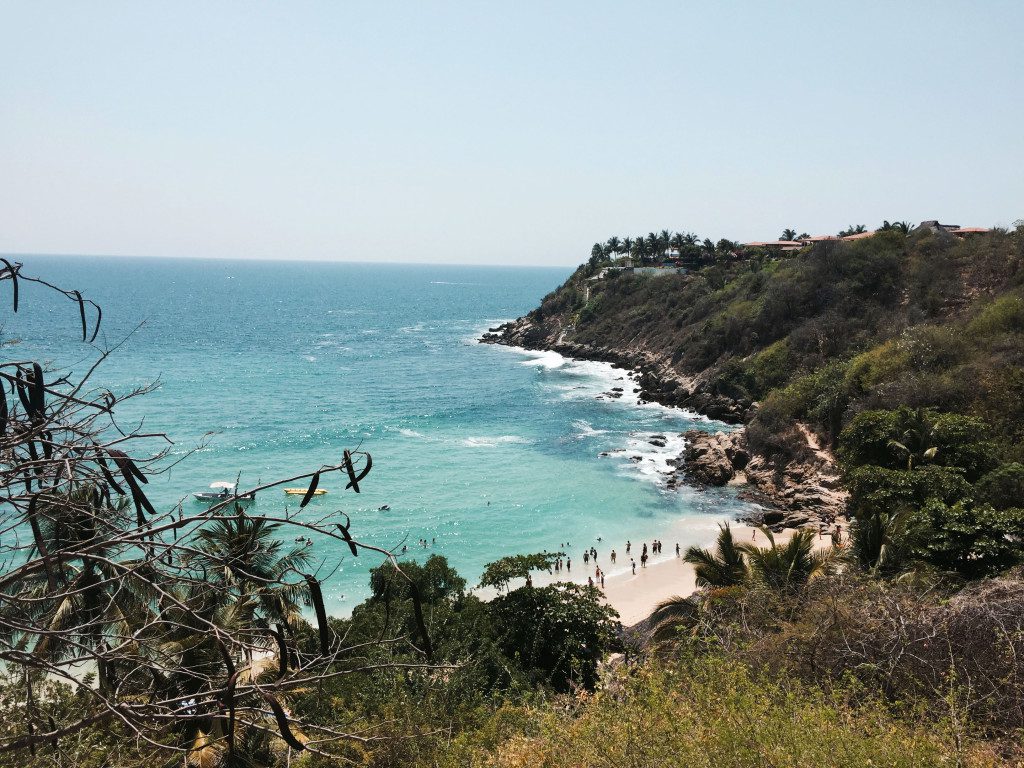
x: 643, y: 554
x: 586, y: 558
x: 643, y: 560
x: 602, y: 581
x: 633, y: 563
x: 677, y: 549
x: 613, y: 557
x: 628, y: 545
x: 590, y: 581
x: 568, y: 565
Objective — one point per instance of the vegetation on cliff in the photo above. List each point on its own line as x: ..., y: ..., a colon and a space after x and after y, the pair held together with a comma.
x: 904, y: 351
x: 182, y: 639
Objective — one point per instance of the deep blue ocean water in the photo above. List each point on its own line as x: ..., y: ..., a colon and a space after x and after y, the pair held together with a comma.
x: 487, y: 450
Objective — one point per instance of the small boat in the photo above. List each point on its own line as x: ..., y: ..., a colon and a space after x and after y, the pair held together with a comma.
x: 223, y: 492
x: 302, y: 491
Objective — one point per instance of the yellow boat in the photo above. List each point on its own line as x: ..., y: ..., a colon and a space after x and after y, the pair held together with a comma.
x: 302, y: 491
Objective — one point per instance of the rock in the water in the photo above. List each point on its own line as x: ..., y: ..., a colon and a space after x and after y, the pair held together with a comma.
x: 707, y: 458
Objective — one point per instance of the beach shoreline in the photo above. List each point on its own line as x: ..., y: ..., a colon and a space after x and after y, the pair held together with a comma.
x: 635, y: 596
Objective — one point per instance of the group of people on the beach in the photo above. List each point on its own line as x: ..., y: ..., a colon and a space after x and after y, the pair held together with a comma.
x: 590, y: 555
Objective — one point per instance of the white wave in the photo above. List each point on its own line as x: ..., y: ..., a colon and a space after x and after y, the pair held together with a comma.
x: 310, y: 358
x: 492, y: 442
x: 648, y: 459
x: 585, y: 429
x: 412, y: 328
x: 549, y: 360
x: 411, y: 433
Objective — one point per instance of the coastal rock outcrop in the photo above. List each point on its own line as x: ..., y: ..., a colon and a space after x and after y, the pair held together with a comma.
x: 796, y: 494
x: 710, y: 458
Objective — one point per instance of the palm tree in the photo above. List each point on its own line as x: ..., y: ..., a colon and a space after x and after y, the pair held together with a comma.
x: 917, y: 439
x: 83, y: 601
x: 665, y: 238
x: 853, y: 229
x: 670, y: 616
x: 627, y: 246
x: 878, y: 541
x: 788, y: 234
x: 244, y: 561
x: 653, y: 243
x: 788, y: 567
x: 614, y: 245
x: 726, y: 567
x: 640, y: 249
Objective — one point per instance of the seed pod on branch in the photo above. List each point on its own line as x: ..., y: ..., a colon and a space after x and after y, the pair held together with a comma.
x: 37, y: 392
x: 316, y: 597
x: 310, y: 490
x: 81, y: 312
x: 4, y: 414
x: 348, y: 536
x: 282, y: 723
x: 354, y: 478
x: 14, y: 281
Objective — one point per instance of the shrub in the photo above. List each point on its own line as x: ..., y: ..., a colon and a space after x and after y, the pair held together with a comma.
x: 1005, y: 314
x: 716, y: 711
x: 970, y: 539
x: 1003, y: 487
x: 560, y: 631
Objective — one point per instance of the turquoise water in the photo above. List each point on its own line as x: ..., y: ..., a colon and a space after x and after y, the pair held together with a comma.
x: 488, y: 450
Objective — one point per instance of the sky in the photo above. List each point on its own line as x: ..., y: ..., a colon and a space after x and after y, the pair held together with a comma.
x: 497, y: 133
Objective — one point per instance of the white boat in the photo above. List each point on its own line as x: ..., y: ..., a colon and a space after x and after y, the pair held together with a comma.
x: 222, y: 492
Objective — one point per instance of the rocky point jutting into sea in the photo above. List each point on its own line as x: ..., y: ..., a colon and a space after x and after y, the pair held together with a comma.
x: 790, y: 495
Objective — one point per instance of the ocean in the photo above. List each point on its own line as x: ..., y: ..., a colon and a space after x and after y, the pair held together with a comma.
x: 481, y: 450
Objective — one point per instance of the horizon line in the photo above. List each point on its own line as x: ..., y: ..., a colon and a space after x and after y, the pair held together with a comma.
x: 25, y: 254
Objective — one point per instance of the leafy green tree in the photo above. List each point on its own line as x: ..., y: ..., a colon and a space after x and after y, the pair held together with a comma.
x: 908, y: 438
x: 725, y: 567
x: 853, y: 229
x: 613, y: 246
x: 499, y: 573
x: 559, y: 632
x: 788, y: 234
x: 1003, y: 487
x: 875, y: 489
x: 972, y: 540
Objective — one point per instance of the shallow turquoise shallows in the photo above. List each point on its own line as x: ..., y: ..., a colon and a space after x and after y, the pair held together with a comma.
x: 487, y: 450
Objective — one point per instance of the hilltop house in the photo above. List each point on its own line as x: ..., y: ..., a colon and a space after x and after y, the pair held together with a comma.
x: 933, y: 225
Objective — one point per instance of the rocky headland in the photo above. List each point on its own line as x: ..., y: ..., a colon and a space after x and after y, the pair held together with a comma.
x: 795, y: 494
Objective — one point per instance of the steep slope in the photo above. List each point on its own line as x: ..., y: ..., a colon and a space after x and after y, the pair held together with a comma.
x: 795, y: 347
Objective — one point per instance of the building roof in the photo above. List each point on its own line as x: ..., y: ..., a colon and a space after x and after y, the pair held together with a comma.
x: 969, y: 230
x: 820, y: 238
x: 858, y: 236
x: 774, y: 243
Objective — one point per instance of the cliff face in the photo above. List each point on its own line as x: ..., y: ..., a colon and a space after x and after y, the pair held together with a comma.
x: 659, y: 380
x: 795, y: 494
x: 793, y: 348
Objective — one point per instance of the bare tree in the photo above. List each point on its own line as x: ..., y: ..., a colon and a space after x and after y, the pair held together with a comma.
x: 177, y: 626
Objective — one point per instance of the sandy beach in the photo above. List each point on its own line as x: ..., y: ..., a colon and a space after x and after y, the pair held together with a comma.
x: 636, y: 596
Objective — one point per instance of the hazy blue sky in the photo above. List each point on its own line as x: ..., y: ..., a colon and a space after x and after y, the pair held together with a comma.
x: 513, y: 132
